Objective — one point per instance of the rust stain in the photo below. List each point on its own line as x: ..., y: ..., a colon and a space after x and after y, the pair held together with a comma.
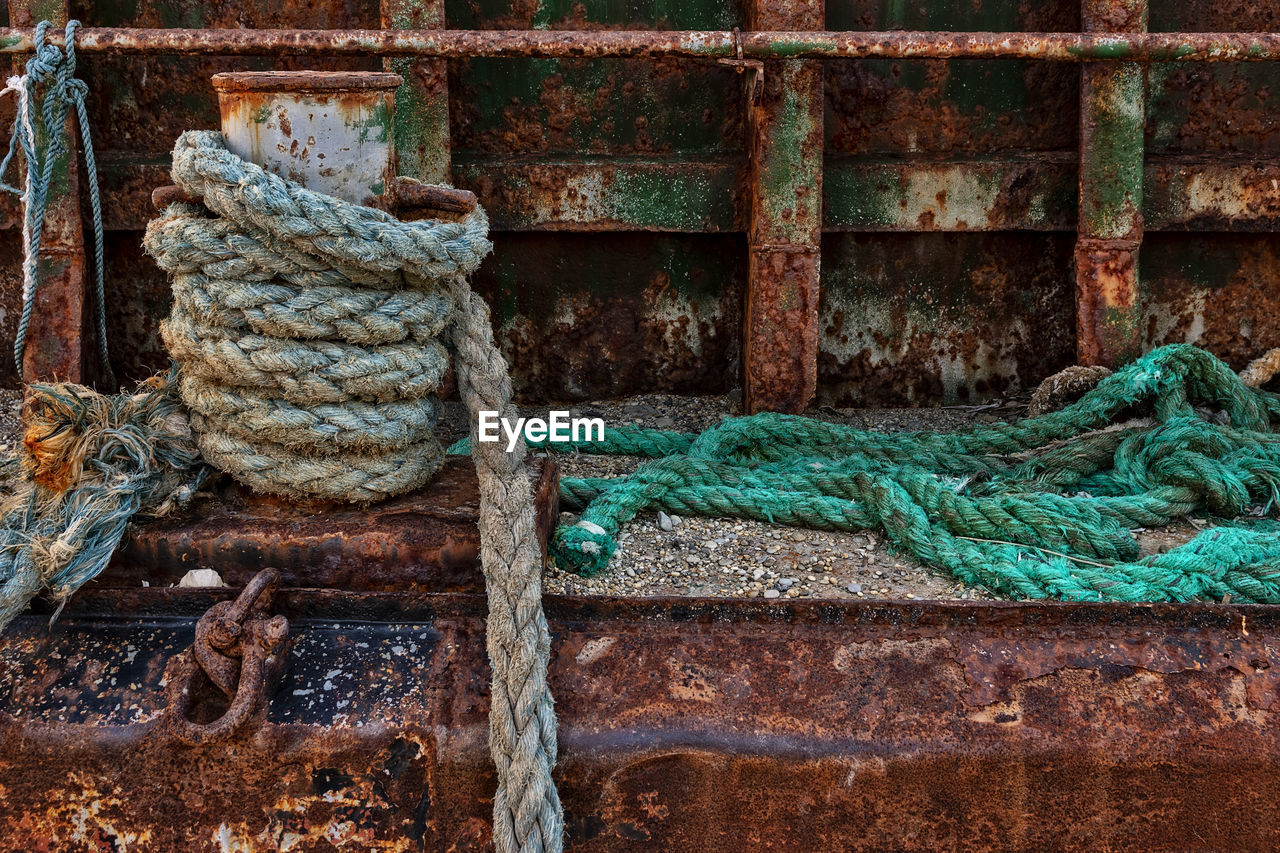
x: 679, y: 718
x: 1107, y: 328
x: 404, y: 544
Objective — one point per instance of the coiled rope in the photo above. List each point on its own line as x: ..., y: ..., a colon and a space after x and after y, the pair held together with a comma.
x: 311, y: 334
x: 52, y: 69
x: 1040, y: 509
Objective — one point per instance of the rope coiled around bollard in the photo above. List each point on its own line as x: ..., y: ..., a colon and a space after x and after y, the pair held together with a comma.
x: 311, y: 334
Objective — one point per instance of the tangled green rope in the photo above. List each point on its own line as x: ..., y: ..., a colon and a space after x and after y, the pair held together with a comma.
x: 1040, y: 509
x: 308, y: 329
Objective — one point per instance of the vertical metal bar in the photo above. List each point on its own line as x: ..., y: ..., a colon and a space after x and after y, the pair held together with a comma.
x: 1113, y: 114
x: 55, y: 343
x: 421, y: 124
x: 780, y: 347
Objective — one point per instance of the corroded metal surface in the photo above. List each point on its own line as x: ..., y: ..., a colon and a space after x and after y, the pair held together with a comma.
x: 1112, y: 118
x: 327, y: 131
x: 780, y: 329
x: 684, y: 725
x: 239, y: 651
x: 593, y: 316
x: 657, y: 141
x: 55, y: 342
x: 420, y: 127
x: 693, y: 44
x: 918, y: 319
x: 425, y: 540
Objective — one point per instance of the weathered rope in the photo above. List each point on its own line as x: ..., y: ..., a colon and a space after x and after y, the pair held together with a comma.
x: 1040, y: 509
x: 53, y: 70
x: 308, y: 330
x: 1262, y: 369
x: 93, y: 463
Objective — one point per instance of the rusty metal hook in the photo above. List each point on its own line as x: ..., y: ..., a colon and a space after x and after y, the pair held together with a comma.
x: 756, y: 66
x: 240, y: 650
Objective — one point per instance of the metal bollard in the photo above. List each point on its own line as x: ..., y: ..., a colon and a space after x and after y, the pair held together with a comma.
x: 328, y: 131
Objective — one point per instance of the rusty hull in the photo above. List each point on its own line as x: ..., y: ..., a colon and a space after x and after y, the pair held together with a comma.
x: 684, y: 725
x: 424, y: 540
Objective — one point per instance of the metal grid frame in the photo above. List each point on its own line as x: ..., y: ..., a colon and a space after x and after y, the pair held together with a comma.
x: 781, y: 57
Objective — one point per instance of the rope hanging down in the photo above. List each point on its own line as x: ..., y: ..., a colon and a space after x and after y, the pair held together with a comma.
x: 1041, y: 509
x: 310, y: 334
x: 52, y: 69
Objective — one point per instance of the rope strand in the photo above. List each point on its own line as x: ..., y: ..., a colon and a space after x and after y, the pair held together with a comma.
x: 53, y: 68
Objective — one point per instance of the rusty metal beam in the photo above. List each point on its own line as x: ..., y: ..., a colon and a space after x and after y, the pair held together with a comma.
x: 421, y: 125
x: 684, y: 725
x: 55, y: 343
x: 780, y: 329
x: 706, y: 44
x: 699, y: 196
x: 1112, y: 119
x: 426, y: 540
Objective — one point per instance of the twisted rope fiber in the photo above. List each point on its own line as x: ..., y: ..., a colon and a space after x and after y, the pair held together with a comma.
x: 1040, y: 509
x: 307, y: 327
x: 307, y: 330
x: 53, y: 69
x: 93, y: 462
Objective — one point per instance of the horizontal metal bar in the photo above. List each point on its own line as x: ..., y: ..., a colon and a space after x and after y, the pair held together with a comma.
x: 1062, y: 47
x: 862, y: 194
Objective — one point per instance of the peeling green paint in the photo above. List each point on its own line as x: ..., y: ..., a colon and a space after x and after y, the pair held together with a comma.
x: 658, y: 14
x: 518, y: 106
x: 793, y: 162
x: 691, y: 197
x: 1112, y: 159
x: 1104, y: 49
x: 376, y: 127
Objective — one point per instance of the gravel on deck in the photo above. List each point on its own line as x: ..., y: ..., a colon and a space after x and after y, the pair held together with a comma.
x: 661, y: 555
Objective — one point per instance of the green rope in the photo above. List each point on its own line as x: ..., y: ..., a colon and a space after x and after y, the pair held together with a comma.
x: 1040, y: 509
x: 53, y: 69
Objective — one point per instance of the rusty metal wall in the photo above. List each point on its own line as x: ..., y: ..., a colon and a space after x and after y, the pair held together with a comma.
x: 626, y: 207
x: 684, y: 725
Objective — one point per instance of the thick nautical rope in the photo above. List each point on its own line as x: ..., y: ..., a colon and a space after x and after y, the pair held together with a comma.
x: 308, y: 329
x: 1038, y: 509
x: 52, y: 69
x: 309, y: 332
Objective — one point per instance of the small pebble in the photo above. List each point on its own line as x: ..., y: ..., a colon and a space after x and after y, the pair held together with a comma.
x: 675, y: 520
x: 784, y: 584
x: 772, y: 593
x: 855, y: 588
x: 664, y: 521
